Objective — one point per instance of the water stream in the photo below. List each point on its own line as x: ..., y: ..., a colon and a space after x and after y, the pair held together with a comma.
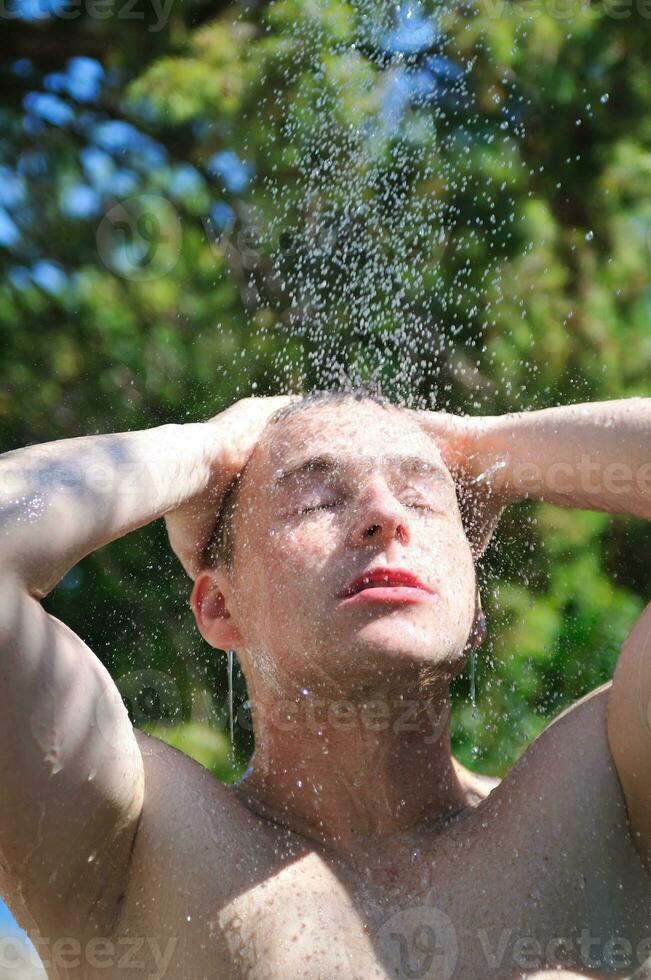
x: 229, y: 667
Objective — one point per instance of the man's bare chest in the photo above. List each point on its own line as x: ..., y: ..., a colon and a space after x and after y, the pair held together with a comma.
x: 477, y: 904
x: 461, y: 913
x: 541, y: 875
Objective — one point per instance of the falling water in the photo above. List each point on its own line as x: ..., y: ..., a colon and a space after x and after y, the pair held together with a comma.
x: 377, y: 213
x: 371, y: 236
x: 394, y: 204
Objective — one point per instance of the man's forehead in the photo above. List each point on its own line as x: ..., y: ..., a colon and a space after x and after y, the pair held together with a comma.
x: 425, y: 464
x: 384, y: 442
x: 324, y: 427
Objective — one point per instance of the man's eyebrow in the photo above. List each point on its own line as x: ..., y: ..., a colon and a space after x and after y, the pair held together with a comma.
x: 323, y: 463
x: 327, y: 463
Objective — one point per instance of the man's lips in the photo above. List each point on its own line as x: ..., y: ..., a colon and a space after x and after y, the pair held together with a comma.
x: 386, y: 584
x: 394, y: 594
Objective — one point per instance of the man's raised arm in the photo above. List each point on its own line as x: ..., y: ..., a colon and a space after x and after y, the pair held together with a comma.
x: 594, y: 456
x: 599, y: 456
x: 71, y: 773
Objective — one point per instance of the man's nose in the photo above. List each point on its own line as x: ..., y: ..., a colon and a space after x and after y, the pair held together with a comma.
x: 379, y: 517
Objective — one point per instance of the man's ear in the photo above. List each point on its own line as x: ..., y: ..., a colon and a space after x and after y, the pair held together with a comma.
x: 214, y: 621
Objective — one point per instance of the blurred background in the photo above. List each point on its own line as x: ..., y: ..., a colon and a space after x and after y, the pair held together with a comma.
x: 201, y: 200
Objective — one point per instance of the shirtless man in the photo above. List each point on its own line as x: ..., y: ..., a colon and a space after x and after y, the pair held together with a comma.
x: 356, y: 846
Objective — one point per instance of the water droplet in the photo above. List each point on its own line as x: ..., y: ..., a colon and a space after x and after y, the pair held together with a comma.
x: 229, y: 668
x: 473, y: 692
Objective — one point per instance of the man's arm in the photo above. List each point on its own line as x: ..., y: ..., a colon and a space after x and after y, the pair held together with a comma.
x: 599, y: 457
x: 595, y: 456
x: 71, y: 773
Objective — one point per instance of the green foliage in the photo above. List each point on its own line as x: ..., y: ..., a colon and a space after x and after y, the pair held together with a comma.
x: 201, y: 742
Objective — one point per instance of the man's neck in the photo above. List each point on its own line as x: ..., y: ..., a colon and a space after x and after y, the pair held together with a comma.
x: 353, y: 772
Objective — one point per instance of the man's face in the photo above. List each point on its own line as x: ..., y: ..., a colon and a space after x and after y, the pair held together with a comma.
x: 381, y: 496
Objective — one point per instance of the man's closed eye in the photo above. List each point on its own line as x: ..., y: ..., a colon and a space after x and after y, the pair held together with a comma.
x: 324, y: 506
x: 334, y: 503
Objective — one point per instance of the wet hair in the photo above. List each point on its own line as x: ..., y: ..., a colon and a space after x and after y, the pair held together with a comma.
x: 219, y: 551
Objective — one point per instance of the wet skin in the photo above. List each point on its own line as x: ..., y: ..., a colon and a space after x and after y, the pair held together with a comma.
x: 544, y: 856
x: 471, y: 878
x: 356, y: 846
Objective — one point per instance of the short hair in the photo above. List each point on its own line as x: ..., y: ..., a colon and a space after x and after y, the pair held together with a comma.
x: 219, y: 551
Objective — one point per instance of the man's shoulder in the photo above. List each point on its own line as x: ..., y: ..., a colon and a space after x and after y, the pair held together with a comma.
x: 557, y: 749
x: 179, y: 792
x: 573, y: 745
x: 184, y: 797
x: 193, y: 835
x: 168, y: 770
x: 566, y: 790
x: 566, y: 778
x: 591, y: 709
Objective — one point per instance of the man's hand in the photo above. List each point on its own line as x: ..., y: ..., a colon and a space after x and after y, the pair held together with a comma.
x: 231, y: 437
x: 593, y: 456
x: 479, y: 467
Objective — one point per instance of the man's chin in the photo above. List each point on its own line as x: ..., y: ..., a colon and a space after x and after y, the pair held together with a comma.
x: 420, y: 642
x: 398, y: 660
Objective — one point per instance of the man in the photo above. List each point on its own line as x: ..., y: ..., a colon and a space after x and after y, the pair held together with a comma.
x: 342, y: 573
